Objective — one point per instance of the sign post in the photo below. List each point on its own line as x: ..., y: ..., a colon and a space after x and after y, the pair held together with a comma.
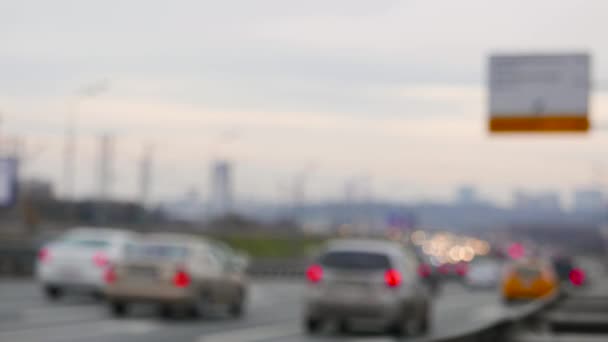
x: 539, y: 93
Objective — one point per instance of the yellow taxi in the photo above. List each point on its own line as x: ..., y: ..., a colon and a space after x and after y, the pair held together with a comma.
x: 527, y: 280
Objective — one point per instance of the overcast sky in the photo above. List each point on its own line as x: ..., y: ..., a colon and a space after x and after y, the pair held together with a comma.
x: 388, y: 91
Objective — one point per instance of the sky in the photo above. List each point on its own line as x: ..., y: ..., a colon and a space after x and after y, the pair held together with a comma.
x: 388, y: 96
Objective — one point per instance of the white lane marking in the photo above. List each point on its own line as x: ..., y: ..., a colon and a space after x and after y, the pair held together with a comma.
x: 79, y: 331
x: 258, y: 333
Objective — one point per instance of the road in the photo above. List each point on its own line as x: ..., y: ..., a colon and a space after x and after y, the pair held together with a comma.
x: 273, y: 315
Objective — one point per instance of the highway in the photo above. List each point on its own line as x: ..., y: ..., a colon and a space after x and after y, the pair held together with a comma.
x: 273, y: 315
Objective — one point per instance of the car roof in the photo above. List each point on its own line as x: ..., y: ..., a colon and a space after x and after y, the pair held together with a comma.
x: 365, y: 245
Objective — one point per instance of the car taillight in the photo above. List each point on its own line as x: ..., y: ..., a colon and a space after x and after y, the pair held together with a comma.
x: 392, y: 278
x: 462, y: 269
x: 181, y: 278
x: 101, y: 260
x: 577, y: 277
x: 314, y: 273
x: 44, y: 255
x: 110, y: 275
x: 424, y: 270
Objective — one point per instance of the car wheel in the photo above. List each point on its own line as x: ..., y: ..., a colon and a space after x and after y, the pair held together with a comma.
x: 343, y: 327
x: 118, y: 309
x: 53, y: 292
x: 313, y: 325
x: 165, y: 311
x: 236, y: 308
x: 407, y: 327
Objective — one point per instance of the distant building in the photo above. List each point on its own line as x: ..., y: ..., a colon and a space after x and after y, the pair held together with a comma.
x: 37, y: 189
x: 586, y: 200
x: 466, y: 195
x: 221, y: 188
x: 543, y: 201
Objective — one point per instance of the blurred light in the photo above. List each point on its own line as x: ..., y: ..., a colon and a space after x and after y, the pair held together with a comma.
x: 466, y: 253
x: 100, y: 259
x: 577, y: 277
x: 516, y: 251
x: 181, y: 279
x: 44, y: 255
x: 314, y: 273
x: 392, y: 278
x: 424, y: 270
x: 110, y: 275
x: 454, y: 253
x: 427, y: 249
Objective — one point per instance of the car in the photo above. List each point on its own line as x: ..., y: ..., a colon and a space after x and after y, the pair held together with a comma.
x: 483, y: 274
x: 366, y: 280
x: 567, y: 271
x: 178, y: 273
x: 528, y: 280
x: 77, y: 260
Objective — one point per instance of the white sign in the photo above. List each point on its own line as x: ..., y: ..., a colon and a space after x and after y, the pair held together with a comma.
x: 539, y: 92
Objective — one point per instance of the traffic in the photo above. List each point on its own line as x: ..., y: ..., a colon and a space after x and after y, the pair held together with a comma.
x: 389, y: 286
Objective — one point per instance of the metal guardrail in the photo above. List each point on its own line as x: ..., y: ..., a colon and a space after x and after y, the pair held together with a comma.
x: 18, y: 260
x: 500, y: 330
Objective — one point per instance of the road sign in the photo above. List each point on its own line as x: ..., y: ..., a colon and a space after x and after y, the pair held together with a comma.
x: 539, y: 93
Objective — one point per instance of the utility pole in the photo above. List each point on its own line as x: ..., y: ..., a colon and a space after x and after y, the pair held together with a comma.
x: 145, y: 178
x: 106, y: 155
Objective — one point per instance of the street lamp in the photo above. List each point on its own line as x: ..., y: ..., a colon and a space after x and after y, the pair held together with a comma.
x: 69, y: 157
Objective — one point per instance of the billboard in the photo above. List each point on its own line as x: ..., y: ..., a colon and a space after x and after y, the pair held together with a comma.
x: 539, y: 93
x: 8, y: 181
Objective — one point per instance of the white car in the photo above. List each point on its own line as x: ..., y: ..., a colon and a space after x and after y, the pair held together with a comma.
x: 483, y: 274
x: 77, y: 261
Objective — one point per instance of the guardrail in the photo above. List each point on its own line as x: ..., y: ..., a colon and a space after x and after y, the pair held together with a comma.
x: 502, y: 329
x: 18, y: 260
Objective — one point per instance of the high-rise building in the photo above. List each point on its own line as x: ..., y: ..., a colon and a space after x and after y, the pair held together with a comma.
x: 221, y: 188
x: 466, y: 195
x: 588, y: 200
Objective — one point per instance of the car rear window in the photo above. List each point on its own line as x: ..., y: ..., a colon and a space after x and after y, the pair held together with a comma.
x: 354, y: 260
x: 527, y: 271
x: 156, y: 251
x: 84, y: 242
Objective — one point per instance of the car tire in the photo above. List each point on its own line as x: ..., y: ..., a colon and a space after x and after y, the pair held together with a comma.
x: 119, y: 309
x: 166, y: 311
x: 236, y: 309
x: 53, y: 293
x: 343, y: 327
x: 313, y: 325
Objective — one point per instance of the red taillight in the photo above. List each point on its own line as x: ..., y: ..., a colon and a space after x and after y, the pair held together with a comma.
x: 424, y: 270
x: 110, y: 275
x: 314, y: 273
x: 462, y: 269
x: 392, y: 278
x: 101, y: 260
x: 181, y: 278
x: 577, y: 277
x: 44, y: 255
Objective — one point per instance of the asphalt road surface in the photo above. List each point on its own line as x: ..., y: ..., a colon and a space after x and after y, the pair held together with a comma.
x: 273, y: 314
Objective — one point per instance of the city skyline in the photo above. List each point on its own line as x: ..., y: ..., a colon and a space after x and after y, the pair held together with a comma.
x: 373, y: 89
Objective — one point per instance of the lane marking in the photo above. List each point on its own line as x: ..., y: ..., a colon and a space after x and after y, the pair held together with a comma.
x: 258, y: 333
